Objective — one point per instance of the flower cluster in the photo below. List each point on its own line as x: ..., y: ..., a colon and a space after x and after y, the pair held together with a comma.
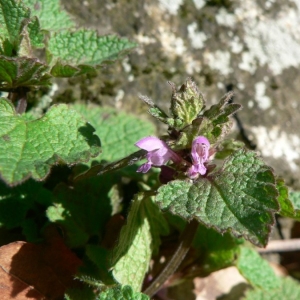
x: 159, y: 154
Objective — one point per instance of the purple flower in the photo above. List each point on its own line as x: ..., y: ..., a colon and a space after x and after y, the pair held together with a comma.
x: 200, y: 148
x: 158, y: 153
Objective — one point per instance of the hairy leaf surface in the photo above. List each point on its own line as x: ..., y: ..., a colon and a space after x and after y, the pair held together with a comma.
x: 18, y: 31
x: 12, y: 14
x: 131, y: 258
x: 186, y: 104
x: 289, y: 289
x: 78, y: 52
x: 118, y: 130
x: 240, y: 197
x: 216, y: 251
x: 30, y: 148
x: 289, y: 202
x: 215, y: 123
x: 22, y: 71
x: 256, y: 270
x: 50, y: 13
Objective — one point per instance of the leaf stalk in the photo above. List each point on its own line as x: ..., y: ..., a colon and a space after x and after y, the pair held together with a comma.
x: 186, y: 240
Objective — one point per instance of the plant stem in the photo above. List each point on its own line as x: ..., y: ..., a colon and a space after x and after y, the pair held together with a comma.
x: 19, y: 98
x: 186, y: 240
x: 101, y: 169
x: 21, y: 106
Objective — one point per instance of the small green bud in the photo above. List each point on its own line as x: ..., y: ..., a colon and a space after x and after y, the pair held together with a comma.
x: 187, y: 103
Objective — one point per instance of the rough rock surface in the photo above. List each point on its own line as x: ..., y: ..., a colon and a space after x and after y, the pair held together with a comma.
x: 249, y: 46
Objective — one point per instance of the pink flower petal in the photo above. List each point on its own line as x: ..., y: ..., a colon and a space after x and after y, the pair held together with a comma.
x: 151, y: 143
x: 144, y: 168
x: 200, y: 149
x: 158, y: 154
x: 159, y: 157
x: 200, y: 154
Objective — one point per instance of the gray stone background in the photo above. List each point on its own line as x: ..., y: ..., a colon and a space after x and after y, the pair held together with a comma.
x: 249, y: 46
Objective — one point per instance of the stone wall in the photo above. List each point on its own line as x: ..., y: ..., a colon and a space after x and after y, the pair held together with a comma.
x: 249, y: 46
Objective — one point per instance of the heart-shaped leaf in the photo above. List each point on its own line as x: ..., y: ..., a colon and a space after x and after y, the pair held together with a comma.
x: 30, y: 148
x: 78, y: 52
x: 240, y: 197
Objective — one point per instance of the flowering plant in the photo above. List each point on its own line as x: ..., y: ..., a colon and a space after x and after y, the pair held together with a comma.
x: 84, y: 219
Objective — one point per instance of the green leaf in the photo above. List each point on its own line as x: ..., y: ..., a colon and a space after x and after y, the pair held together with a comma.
x: 50, y: 14
x: 34, y: 146
x: 62, y: 70
x: 16, y: 202
x: 214, y: 124
x: 83, y: 209
x: 217, y: 251
x: 158, y: 224
x: 122, y: 293
x: 35, y: 35
x: 131, y: 257
x: 295, y: 199
x: 227, y: 147
x: 154, y: 110
x: 12, y: 14
x: 30, y: 37
x: 256, y: 270
x: 220, y: 113
x: 119, y: 131
x: 100, y: 257
x: 22, y: 205
x: 22, y: 71
x: 13, y: 210
x: 200, y: 126
x: 289, y: 202
x: 289, y: 290
x: 83, y: 49
x: 286, y: 206
x: 31, y: 230
x: 18, y: 33
x: 187, y: 103
x: 240, y: 197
